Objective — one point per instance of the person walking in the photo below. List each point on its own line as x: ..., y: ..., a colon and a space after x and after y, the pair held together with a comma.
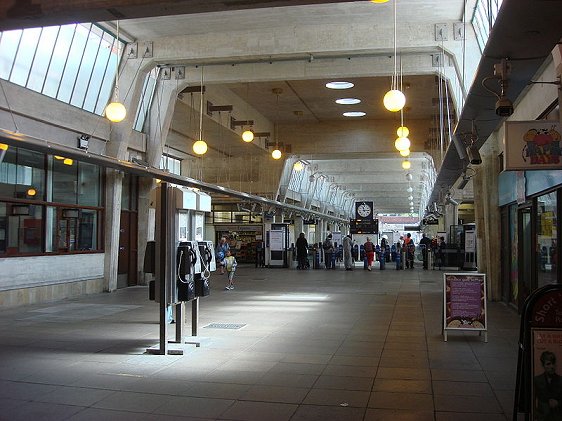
x: 369, y: 252
x: 347, y: 258
x: 328, y: 247
x: 230, y: 265
x: 302, y: 252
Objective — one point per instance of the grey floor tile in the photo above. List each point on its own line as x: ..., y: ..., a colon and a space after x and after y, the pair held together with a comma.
x: 404, y: 401
x: 75, y: 396
x: 332, y: 397
x: 40, y: 411
x: 353, y: 371
x: 325, y: 413
x: 193, y: 407
x: 458, y: 416
x: 288, y: 379
x: 478, y: 404
x: 462, y: 388
x: 397, y: 415
x: 402, y: 386
x: 281, y: 394
x: 344, y: 382
x: 130, y: 401
x: 403, y: 373
x: 259, y: 411
x: 458, y: 375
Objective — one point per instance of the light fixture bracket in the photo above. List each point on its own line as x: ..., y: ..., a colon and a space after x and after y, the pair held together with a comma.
x: 235, y: 123
x: 220, y: 108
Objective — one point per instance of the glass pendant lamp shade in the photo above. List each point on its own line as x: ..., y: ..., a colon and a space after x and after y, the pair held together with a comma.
x: 402, y: 143
x: 402, y: 131
x: 31, y: 191
x: 298, y: 166
x: 409, y: 190
x: 248, y: 136
x: 276, y: 154
x: 115, y: 112
x: 394, y: 100
x: 405, y: 153
x: 200, y: 147
x: 406, y: 164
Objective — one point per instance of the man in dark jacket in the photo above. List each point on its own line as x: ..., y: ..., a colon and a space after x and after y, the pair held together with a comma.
x: 425, y: 242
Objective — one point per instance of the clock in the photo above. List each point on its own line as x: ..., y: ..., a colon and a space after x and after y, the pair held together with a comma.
x: 364, y: 209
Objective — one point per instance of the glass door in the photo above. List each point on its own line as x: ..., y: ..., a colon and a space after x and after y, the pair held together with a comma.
x: 526, y: 242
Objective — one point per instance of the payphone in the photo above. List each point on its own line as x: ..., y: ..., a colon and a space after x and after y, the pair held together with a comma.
x: 181, y: 265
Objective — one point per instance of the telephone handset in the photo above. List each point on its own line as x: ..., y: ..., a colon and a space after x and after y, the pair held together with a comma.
x: 186, y: 258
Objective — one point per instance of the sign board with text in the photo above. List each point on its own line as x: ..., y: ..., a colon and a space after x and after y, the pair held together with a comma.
x: 464, y: 303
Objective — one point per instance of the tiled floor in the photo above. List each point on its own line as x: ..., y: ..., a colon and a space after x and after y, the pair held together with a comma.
x: 317, y: 345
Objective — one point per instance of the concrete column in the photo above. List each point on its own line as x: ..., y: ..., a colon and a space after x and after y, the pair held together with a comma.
x: 114, y: 184
x: 451, y: 217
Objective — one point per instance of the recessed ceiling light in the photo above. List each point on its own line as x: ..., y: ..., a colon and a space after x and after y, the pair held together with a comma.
x: 339, y: 85
x: 354, y: 114
x: 348, y: 101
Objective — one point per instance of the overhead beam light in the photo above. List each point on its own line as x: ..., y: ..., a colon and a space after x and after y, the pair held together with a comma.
x: 348, y: 101
x: 354, y: 114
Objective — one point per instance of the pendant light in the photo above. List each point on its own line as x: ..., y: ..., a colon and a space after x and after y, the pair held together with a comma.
x: 394, y: 100
x: 248, y: 134
x: 115, y: 110
x: 200, y: 146
x: 276, y: 154
x: 406, y: 164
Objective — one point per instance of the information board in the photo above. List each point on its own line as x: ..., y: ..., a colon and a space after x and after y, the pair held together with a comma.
x: 276, y: 240
x: 464, y: 303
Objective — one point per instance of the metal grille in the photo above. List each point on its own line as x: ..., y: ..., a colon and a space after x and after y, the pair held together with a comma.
x: 225, y: 326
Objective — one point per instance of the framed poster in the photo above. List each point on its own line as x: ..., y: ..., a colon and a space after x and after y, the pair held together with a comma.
x: 546, y: 350
x: 276, y: 240
x: 464, y: 303
x: 532, y: 145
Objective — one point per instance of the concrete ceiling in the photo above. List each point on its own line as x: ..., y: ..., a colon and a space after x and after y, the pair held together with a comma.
x: 305, y: 99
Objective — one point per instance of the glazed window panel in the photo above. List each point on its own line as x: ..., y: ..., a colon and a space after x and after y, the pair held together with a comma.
x: 58, y: 60
x: 546, y: 239
x: 88, y: 184
x: 24, y: 57
x: 64, y: 181
x: 22, y: 174
x: 43, y: 58
x: 8, y: 49
x: 21, y: 229
x: 98, y: 73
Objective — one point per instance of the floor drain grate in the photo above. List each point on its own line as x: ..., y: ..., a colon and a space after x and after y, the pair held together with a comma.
x: 225, y: 326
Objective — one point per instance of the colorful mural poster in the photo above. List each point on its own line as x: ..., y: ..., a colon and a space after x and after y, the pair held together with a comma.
x: 532, y: 145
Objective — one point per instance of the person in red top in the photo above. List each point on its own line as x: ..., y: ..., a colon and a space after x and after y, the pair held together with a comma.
x: 410, y: 250
x: 369, y: 252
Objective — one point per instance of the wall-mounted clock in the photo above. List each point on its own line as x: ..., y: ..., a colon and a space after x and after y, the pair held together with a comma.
x: 364, y: 210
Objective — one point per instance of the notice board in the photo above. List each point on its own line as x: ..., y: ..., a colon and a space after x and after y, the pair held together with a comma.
x: 464, y: 303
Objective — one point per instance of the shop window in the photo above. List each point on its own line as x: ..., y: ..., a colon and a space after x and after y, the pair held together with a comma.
x: 22, y: 174
x: 21, y: 229
x: 546, y: 239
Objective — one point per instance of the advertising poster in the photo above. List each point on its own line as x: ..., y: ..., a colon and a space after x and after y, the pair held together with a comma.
x: 532, y: 145
x: 547, y: 382
x: 464, y: 297
x: 276, y: 240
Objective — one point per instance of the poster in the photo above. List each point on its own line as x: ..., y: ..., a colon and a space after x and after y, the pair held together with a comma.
x: 532, y: 145
x: 276, y: 240
x: 547, y: 382
x: 464, y: 296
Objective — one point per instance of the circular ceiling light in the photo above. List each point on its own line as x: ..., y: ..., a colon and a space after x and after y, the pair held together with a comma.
x: 379, y: 1
x: 115, y: 112
x: 406, y: 164
x: 394, y: 100
x: 248, y: 136
x: 31, y: 191
x: 276, y: 154
x: 339, y: 85
x: 348, y: 101
x: 403, y: 131
x: 354, y: 114
x: 3, y: 147
x: 200, y: 147
x: 405, y: 153
x: 402, y: 143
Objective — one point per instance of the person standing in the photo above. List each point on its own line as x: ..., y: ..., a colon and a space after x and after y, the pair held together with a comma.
x: 410, y: 251
x: 369, y: 252
x: 302, y: 251
x: 230, y: 265
x: 347, y: 258
x: 328, y: 247
x: 425, y: 243
x: 220, y: 253
x: 441, y: 252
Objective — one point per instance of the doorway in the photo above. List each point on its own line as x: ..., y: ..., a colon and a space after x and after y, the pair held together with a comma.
x: 525, y: 253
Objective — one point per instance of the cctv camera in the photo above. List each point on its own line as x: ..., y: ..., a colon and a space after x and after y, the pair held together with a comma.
x: 504, y: 107
x: 473, y: 155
